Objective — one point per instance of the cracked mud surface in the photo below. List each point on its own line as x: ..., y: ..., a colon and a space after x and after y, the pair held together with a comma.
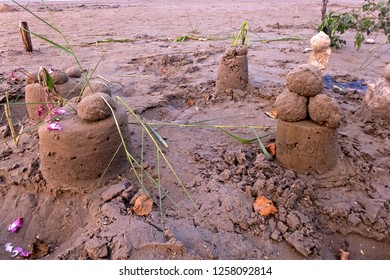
x: 166, y: 82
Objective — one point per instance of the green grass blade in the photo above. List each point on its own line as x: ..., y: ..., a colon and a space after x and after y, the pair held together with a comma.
x: 51, y: 42
x: 262, y: 146
x: 158, y: 136
x: 239, y: 139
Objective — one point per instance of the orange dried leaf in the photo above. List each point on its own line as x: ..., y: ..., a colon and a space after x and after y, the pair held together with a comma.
x: 143, y: 205
x: 272, y: 114
x: 264, y: 206
x: 271, y: 149
x: 190, y: 102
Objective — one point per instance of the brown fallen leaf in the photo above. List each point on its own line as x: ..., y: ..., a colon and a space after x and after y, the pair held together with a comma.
x: 271, y: 149
x: 38, y: 249
x: 272, y: 114
x: 343, y: 255
x: 143, y: 205
x: 264, y: 206
x: 190, y: 102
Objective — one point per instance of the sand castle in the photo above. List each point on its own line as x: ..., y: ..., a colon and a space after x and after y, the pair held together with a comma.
x: 82, y: 145
x: 233, y: 69
x: 376, y: 102
x: 308, y: 119
x: 38, y: 101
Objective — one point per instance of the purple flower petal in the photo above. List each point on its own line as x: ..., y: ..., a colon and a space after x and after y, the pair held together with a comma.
x: 9, y: 247
x: 59, y: 111
x: 16, y: 225
x: 54, y: 126
x: 25, y: 254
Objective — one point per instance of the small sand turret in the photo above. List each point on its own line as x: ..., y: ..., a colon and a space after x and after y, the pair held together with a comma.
x: 306, y: 138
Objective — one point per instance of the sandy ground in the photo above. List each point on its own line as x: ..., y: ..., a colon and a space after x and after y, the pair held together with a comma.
x: 174, y: 82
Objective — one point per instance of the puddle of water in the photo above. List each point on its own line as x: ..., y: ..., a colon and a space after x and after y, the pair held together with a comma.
x: 355, y: 85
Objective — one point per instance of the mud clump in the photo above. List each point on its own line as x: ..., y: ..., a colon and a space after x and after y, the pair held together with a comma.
x: 386, y: 73
x: 73, y: 72
x: 376, y: 102
x: 96, y: 88
x: 292, y: 107
x: 59, y: 77
x: 305, y: 80
x: 324, y: 110
x: 94, y: 108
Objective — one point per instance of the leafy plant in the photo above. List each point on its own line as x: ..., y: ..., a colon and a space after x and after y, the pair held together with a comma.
x: 371, y: 17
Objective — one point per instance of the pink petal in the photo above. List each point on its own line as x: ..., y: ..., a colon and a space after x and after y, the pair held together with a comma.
x: 16, y: 225
x: 59, y: 111
x: 19, y: 250
x: 54, y: 126
x: 8, y: 247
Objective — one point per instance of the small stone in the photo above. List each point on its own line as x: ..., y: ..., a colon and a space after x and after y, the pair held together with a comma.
x: 369, y: 41
x: 291, y: 107
x: 305, y: 80
x: 96, y: 88
x: 69, y: 89
x: 320, y: 42
x: 59, y: 77
x: 386, y: 73
x: 282, y: 227
x: 73, y: 72
x: 296, y: 239
x: 293, y: 221
x: 276, y: 235
x: 369, y: 129
x: 324, y: 110
x: 93, y: 108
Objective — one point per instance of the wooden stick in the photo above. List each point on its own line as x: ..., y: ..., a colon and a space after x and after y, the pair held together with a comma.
x: 26, y: 38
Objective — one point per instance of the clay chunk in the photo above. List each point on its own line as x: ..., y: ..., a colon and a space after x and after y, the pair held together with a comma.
x: 93, y: 108
x: 377, y: 99
x: 386, y: 73
x: 73, y: 72
x: 324, y: 110
x: 96, y: 88
x: 59, y: 77
x: 291, y: 107
x: 305, y: 80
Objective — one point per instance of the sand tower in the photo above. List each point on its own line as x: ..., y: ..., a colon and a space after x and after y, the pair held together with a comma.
x: 233, y: 69
x: 306, y: 138
x: 82, y: 144
x: 38, y: 101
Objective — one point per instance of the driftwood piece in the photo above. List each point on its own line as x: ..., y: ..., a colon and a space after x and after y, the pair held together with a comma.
x: 26, y: 38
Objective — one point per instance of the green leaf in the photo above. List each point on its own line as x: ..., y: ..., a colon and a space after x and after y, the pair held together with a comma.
x: 239, y: 139
x: 51, y: 42
x: 262, y: 146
